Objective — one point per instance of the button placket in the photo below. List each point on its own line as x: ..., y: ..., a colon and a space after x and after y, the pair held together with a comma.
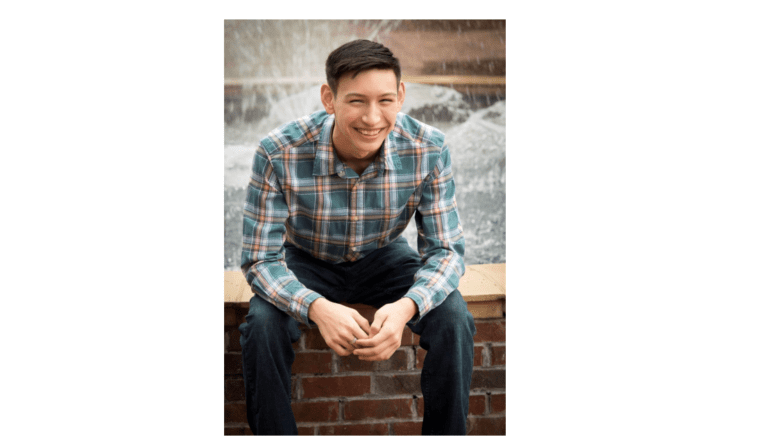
x: 354, y: 216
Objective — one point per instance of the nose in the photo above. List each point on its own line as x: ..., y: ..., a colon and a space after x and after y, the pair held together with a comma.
x: 371, y: 115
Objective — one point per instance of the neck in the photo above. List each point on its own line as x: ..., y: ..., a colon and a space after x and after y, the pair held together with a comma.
x: 358, y: 165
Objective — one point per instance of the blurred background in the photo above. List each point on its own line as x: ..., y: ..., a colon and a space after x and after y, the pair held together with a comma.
x: 454, y: 72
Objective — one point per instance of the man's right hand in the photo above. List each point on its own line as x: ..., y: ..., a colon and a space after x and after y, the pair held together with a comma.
x: 338, y: 324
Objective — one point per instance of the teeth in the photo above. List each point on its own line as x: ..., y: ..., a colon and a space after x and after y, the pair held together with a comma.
x: 369, y: 132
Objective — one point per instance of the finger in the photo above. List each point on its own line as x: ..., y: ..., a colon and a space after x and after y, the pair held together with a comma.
x: 377, y: 353
x: 377, y: 323
x: 352, y: 346
x: 341, y: 350
x: 364, y: 324
x: 372, y: 341
x: 358, y: 333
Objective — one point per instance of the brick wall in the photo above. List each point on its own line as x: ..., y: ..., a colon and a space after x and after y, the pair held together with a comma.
x: 341, y: 395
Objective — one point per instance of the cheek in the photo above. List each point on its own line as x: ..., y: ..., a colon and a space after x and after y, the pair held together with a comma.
x: 390, y: 116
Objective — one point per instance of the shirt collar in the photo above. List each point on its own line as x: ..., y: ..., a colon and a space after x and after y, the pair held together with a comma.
x: 327, y: 162
x: 391, y: 159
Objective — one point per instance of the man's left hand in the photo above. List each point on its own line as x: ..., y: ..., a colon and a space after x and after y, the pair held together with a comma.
x: 386, y: 331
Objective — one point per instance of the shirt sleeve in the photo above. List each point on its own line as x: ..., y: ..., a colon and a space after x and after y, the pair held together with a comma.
x: 440, y: 240
x: 264, y: 232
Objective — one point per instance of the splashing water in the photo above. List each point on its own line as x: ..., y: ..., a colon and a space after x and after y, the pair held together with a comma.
x: 261, y: 50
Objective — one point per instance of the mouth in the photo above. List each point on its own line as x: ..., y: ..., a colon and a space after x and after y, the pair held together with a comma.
x: 369, y: 133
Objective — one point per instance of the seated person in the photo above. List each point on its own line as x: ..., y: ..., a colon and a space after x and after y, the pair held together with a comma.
x: 329, y: 197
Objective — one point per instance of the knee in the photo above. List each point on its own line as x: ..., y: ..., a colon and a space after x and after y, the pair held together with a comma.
x: 451, y: 321
x: 266, y: 324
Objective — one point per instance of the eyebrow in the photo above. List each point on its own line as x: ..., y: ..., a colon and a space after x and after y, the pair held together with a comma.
x: 362, y: 95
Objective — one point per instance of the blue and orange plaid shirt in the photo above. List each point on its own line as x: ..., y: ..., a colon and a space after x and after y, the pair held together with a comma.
x: 302, y: 193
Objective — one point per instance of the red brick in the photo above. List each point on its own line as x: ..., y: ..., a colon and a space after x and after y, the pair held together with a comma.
x: 230, y: 318
x: 234, y: 390
x: 498, y: 355
x: 378, y: 409
x: 234, y: 341
x: 235, y: 412
x: 497, y: 403
x: 306, y: 430
x: 407, y: 428
x: 333, y: 386
x: 409, y: 338
x: 491, y: 330
x: 401, y: 384
x: 233, y: 364
x: 486, y: 425
x: 241, y: 429
x: 314, y: 340
x: 367, y: 312
x: 354, y: 429
x: 241, y: 311
x: 477, y: 405
x: 488, y: 378
x: 421, y: 355
x: 352, y: 363
x: 324, y: 411
x: 312, y: 362
x: 234, y: 315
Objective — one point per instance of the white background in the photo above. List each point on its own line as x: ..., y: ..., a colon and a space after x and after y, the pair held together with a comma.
x: 641, y: 215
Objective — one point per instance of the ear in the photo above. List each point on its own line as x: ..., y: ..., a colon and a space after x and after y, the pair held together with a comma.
x: 328, y: 99
x: 400, y: 95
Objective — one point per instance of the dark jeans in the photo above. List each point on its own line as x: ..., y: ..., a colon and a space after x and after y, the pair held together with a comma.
x: 382, y: 277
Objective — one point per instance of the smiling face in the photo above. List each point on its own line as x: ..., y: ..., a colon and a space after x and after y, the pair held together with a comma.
x: 365, y: 109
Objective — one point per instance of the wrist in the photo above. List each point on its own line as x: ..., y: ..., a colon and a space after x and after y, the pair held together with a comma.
x: 315, y: 307
x: 410, y: 307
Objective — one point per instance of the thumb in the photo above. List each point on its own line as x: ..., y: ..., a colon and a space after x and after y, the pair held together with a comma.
x: 377, y: 323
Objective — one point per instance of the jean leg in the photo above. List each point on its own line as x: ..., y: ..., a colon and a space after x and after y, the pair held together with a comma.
x: 320, y: 276
x: 266, y: 338
x: 447, y: 333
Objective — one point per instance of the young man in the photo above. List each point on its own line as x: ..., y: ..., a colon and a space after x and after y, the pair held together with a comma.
x: 329, y: 197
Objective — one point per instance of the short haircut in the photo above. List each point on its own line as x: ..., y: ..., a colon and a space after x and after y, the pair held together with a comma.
x: 357, y: 56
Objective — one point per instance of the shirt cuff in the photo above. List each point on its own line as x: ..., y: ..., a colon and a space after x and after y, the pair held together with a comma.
x: 304, y: 309
x: 419, y: 297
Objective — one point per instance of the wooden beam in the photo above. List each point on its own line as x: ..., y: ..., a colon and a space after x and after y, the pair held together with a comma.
x: 426, y: 79
x: 456, y: 80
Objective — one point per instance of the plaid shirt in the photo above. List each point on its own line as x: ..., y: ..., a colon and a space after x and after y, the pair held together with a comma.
x: 301, y: 192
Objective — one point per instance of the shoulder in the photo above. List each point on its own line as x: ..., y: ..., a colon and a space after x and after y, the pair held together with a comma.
x: 409, y: 132
x: 295, y: 133
x: 415, y: 140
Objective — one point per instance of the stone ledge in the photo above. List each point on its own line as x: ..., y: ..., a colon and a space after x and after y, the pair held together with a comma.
x: 482, y: 286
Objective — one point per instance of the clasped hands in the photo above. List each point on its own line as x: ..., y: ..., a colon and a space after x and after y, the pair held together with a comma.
x: 340, y: 325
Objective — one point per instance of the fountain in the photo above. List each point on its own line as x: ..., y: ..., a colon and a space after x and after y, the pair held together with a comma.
x: 274, y: 70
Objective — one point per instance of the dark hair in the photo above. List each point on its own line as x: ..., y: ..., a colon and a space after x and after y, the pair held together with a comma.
x: 357, y: 56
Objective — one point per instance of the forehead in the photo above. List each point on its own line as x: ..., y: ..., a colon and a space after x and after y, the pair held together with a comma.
x: 370, y: 82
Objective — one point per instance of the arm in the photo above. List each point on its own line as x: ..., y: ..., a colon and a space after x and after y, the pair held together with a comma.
x: 264, y: 229
x: 263, y: 264
x: 441, y: 245
x: 440, y: 240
